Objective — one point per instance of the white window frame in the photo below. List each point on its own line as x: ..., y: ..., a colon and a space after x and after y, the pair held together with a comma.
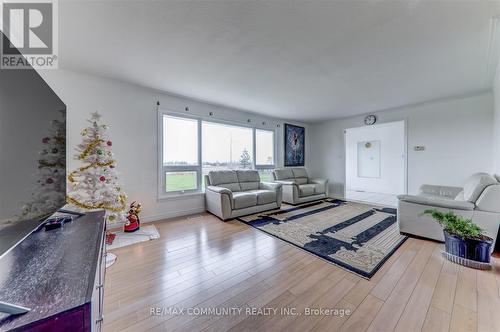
x: 162, y: 169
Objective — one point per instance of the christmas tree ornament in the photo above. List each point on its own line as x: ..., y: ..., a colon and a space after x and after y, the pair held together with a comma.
x: 89, y: 188
x: 109, y: 143
x: 45, y: 140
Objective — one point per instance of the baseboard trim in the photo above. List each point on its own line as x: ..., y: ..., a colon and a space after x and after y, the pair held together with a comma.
x: 173, y: 214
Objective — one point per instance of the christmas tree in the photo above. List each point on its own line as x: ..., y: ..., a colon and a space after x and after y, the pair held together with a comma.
x: 245, y: 159
x: 49, y: 194
x: 94, y: 185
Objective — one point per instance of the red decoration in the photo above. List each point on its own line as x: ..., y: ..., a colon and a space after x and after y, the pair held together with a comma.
x: 102, y: 179
x: 110, y: 237
x: 133, y: 223
x: 109, y: 143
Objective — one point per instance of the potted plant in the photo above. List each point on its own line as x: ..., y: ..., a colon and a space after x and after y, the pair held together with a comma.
x: 464, y: 240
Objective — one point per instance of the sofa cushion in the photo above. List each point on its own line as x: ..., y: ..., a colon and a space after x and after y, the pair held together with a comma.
x: 283, y: 174
x: 244, y: 199
x: 306, y: 190
x: 301, y: 180
x: 475, y: 185
x: 265, y: 196
x: 299, y: 173
x: 248, y: 179
x: 226, y: 179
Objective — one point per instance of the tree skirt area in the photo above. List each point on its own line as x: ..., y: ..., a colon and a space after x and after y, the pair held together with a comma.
x: 122, y: 239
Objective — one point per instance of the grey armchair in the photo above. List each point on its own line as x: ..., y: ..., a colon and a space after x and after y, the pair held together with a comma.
x: 478, y: 200
x: 298, y: 188
x: 231, y: 194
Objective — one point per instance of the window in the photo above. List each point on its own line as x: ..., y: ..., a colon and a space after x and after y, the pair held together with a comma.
x: 226, y: 147
x: 264, y: 146
x: 180, y: 167
x: 191, y: 147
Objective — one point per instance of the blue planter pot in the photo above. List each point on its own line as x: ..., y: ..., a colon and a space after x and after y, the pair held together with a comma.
x: 472, y: 249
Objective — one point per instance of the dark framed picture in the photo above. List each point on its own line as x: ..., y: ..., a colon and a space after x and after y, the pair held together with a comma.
x: 295, y: 140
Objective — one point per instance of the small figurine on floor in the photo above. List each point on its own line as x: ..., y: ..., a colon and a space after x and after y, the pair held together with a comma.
x: 133, y: 223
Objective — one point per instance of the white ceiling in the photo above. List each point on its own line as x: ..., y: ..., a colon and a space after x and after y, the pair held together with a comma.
x: 299, y: 60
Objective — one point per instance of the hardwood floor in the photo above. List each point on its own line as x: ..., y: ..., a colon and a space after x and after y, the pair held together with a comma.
x: 201, y: 262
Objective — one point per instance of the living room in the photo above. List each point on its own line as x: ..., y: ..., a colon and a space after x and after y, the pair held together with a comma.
x: 259, y: 165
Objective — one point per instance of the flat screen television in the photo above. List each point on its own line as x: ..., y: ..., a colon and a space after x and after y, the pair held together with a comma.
x: 32, y: 154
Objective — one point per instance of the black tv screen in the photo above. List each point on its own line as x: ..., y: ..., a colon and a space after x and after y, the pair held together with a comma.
x: 32, y: 154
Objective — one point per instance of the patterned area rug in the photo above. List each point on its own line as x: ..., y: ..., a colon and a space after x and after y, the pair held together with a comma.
x: 357, y: 237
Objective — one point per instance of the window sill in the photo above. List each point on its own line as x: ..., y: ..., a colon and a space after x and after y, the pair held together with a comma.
x: 179, y: 196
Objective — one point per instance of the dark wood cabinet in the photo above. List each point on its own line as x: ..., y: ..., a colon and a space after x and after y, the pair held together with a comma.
x: 59, y: 274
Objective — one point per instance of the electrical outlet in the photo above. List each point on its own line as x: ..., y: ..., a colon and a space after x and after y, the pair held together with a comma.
x: 419, y: 148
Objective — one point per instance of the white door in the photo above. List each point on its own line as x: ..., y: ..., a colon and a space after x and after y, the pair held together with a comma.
x: 375, y: 158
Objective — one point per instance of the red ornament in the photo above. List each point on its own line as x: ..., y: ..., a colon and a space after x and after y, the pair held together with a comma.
x: 109, y: 143
x: 50, y: 181
x: 102, y: 179
x: 45, y: 140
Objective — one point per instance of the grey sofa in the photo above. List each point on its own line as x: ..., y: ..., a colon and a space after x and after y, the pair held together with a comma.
x: 231, y: 194
x: 478, y: 200
x: 297, y: 187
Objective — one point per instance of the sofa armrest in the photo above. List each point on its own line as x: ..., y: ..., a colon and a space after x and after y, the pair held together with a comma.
x: 322, y: 182
x: 441, y: 191
x: 219, y: 190
x: 270, y: 186
x: 276, y: 187
x: 219, y: 201
x: 490, y: 199
x: 437, y: 202
x: 318, y: 181
x: 286, y: 182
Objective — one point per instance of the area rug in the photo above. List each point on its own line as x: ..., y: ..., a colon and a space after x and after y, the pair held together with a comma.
x: 354, y: 236
x: 122, y: 239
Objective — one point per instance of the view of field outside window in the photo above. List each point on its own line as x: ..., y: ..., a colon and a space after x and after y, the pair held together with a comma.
x: 223, y: 147
x: 180, y: 150
x: 226, y: 147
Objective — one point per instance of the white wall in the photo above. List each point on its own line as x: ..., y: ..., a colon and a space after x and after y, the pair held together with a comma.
x: 132, y: 113
x: 496, y: 123
x: 388, y: 160
x: 457, y: 135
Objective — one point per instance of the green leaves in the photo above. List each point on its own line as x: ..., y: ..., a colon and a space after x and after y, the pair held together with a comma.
x: 456, y: 224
